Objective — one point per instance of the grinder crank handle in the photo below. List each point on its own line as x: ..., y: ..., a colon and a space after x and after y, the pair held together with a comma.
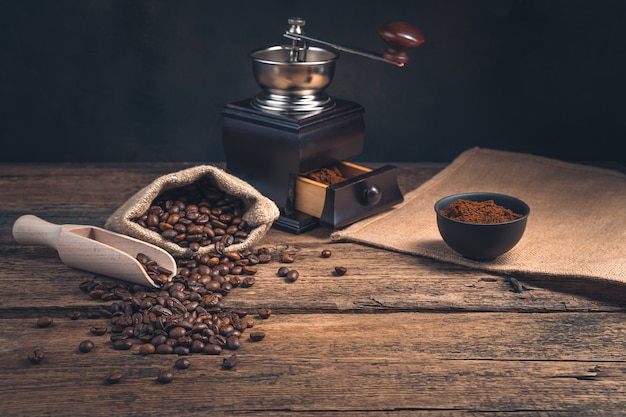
x: 31, y: 230
x: 400, y: 37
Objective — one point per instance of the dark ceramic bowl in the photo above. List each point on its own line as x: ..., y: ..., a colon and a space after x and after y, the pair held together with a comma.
x: 482, y: 242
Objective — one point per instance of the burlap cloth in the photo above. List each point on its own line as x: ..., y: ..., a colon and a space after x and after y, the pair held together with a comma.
x: 260, y: 213
x: 576, y: 227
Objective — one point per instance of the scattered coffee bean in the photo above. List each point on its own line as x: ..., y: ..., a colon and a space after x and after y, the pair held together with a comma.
x: 264, y: 313
x: 114, y: 377
x: 292, y: 276
x: 257, y: 336
x: 36, y: 355
x: 74, y: 315
x: 86, y: 346
x: 98, y: 330
x: 165, y: 377
x: 282, y: 271
x: 340, y: 270
x: 326, y: 253
x: 230, y: 362
x: 44, y: 321
x: 286, y: 258
x: 182, y: 363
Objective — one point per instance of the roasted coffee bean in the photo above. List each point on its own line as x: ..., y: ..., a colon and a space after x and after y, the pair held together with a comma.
x: 212, y: 349
x: 114, y: 377
x: 74, y: 315
x: 233, y: 343
x: 147, y: 349
x: 247, y: 282
x: 86, y: 346
x: 182, y: 363
x: 264, y: 313
x: 230, y: 362
x: 282, y: 271
x: 181, y: 350
x: 98, y: 330
x: 122, y: 344
x: 44, y: 321
x: 165, y: 377
x: 287, y: 258
x: 36, y: 355
x: 326, y: 253
x: 292, y: 276
x: 264, y: 258
x: 177, y: 332
x: 164, y: 349
x: 257, y: 336
x: 340, y: 270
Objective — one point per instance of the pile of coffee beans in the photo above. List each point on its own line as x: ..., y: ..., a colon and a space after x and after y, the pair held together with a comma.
x: 187, y: 314
x: 159, y: 274
x: 199, y: 214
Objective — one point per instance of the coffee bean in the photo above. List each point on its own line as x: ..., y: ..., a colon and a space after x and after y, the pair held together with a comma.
x: 122, y: 344
x: 86, y: 346
x: 182, y: 363
x: 230, y: 362
x: 44, y: 321
x: 212, y: 349
x: 147, y: 349
x: 98, y: 330
x: 286, y: 258
x: 340, y: 270
x: 326, y: 253
x: 36, y: 355
x: 233, y: 343
x: 74, y: 315
x: 165, y: 377
x: 247, y: 282
x: 164, y: 349
x: 114, y: 377
x: 282, y: 271
x: 292, y: 276
x: 257, y: 336
x: 264, y: 313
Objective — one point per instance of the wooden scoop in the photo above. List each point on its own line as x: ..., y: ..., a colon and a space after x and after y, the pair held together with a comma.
x: 94, y: 249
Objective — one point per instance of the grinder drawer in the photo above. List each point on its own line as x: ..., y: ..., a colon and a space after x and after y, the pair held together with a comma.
x: 364, y: 192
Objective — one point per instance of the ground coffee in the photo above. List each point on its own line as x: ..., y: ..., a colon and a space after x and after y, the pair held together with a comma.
x: 328, y: 176
x: 483, y: 212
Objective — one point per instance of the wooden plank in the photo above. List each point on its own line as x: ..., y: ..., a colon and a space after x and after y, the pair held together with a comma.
x: 335, y: 363
x: 376, y: 281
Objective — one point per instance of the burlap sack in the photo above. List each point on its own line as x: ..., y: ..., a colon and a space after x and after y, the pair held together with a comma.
x: 260, y: 213
x: 576, y: 227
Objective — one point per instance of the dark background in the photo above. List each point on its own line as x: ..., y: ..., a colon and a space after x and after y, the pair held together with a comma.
x: 145, y: 80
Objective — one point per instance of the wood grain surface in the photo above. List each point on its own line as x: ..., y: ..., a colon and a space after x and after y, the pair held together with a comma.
x: 397, y: 335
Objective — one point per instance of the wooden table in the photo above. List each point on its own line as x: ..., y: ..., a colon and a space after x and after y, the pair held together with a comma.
x: 396, y: 335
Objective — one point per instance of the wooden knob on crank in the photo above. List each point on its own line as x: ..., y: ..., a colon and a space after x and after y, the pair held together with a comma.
x: 400, y: 37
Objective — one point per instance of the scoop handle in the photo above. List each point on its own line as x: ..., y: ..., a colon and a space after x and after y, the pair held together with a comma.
x: 31, y: 230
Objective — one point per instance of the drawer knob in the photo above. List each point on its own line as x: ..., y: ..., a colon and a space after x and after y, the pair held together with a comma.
x: 372, y: 195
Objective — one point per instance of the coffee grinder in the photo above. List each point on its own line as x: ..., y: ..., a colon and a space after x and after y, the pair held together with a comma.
x: 293, y: 127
